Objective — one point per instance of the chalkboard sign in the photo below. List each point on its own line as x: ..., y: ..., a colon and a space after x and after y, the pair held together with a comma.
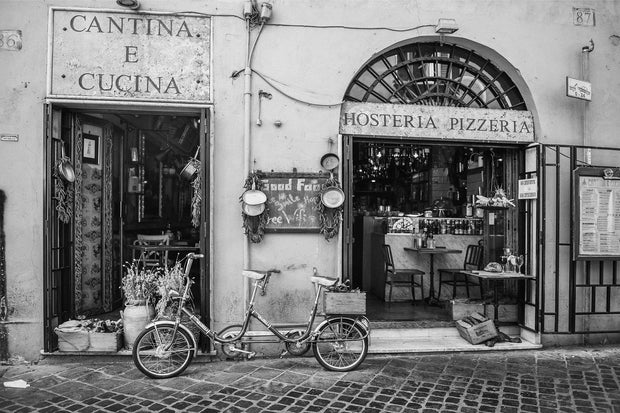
x: 293, y: 201
x: 596, y: 214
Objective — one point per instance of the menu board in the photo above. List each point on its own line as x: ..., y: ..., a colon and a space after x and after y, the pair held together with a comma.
x: 597, y: 213
x: 293, y: 201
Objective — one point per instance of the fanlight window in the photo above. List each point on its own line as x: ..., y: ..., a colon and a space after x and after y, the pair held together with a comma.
x: 435, y: 74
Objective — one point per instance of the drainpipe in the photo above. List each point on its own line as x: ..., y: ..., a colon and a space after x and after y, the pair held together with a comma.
x: 585, y: 75
x: 247, y: 124
x: 247, y: 131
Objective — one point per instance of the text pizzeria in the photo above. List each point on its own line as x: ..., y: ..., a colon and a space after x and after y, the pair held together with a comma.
x: 389, y: 120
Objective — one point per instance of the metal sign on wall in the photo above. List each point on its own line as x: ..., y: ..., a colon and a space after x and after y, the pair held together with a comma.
x: 436, y: 122
x: 97, y: 54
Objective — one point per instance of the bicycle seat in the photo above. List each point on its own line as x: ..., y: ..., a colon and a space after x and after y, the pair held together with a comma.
x: 255, y: 275
x: 325, y: 281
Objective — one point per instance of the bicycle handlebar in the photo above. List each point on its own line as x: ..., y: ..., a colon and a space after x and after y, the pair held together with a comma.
x: 193, y: 256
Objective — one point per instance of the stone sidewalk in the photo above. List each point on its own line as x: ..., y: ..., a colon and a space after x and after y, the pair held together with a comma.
x: 583, y: 379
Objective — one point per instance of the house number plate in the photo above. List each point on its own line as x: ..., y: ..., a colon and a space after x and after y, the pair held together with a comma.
x: 10, y: 40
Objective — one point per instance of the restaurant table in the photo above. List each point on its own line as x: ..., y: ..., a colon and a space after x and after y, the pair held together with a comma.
x: 495, y: 277
x: 145, y: 249
x: 431, y: 252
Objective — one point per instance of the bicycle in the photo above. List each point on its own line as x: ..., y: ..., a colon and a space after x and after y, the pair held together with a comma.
x: 166, y: 348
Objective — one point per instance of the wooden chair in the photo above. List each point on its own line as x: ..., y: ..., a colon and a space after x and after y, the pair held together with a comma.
x: 151, y: 258
x: 401, y: 277
x: 454, y: 276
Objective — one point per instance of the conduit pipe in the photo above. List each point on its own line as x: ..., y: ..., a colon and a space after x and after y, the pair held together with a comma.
x: 247, y: 135
x: 585, y: 76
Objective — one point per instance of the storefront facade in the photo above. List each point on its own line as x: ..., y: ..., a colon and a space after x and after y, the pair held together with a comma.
x: 268, y: 97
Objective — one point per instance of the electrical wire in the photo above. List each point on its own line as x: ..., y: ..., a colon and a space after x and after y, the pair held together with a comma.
x: 336, y: 26
x: 270, y: 83
x: 310, y: 26
x: 251, y: 51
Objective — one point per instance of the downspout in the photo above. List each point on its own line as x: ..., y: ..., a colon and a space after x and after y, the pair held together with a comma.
x: 585, y: 76
x: 247, y: 127
x: 247, y: 132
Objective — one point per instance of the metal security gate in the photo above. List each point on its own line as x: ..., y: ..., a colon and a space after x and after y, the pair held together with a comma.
x: 576, y: 297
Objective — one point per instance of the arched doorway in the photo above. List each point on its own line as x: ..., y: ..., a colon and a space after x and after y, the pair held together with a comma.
x: 400, y: 185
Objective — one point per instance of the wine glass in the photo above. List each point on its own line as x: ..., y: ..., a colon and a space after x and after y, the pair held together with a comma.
x: 519, y: 261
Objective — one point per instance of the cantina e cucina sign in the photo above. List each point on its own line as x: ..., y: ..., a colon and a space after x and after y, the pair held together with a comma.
x: 436, y: 122
x: 129, y: 56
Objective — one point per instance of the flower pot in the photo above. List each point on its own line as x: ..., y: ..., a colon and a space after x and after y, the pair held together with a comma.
x: 135, y: 318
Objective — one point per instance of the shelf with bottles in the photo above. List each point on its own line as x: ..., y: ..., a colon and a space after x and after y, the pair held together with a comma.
x: 435, y: 225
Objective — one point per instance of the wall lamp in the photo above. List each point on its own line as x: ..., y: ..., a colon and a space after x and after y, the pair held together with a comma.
x: 446, y: 26
x: 132, y: 4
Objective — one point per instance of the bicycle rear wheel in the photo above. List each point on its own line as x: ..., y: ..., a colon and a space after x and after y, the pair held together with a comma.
x: 160, y: 353
x: 340, y: 345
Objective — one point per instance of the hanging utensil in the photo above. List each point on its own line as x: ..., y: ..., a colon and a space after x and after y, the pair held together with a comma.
x: 190, y: 170
x: 65, y: 169
x: 254, y: 196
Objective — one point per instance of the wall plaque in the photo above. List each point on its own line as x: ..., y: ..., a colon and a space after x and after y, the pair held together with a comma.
x: 129, y: 56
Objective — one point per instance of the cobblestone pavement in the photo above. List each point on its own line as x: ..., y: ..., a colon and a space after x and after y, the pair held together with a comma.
x: 549, y: 380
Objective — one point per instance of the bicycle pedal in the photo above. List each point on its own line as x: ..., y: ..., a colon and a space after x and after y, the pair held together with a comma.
x: 251, y: 354
x: 283, y: 353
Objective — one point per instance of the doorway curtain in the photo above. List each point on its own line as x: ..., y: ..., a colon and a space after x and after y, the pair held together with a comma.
x: 93, y: 224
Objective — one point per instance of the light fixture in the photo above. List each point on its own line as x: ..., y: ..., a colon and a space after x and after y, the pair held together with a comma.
x: 132, y: 4
x: 446, y: 26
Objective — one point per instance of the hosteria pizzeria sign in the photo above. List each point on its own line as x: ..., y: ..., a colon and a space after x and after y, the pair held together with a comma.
x: 436, y: 122
x: 129, y: 56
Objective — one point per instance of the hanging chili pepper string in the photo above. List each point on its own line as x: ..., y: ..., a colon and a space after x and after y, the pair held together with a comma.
x: 254, y: 226
x: 330, y: 218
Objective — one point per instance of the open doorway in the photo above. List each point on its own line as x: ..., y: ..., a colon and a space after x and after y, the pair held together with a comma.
x: 130, y: 180
x: 406, y: 189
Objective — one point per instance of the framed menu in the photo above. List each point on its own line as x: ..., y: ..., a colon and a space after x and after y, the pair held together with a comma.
x: 596, y: 214
x: 293, y: 201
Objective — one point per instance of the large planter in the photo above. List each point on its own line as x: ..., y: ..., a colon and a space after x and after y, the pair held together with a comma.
x: 135, y: 317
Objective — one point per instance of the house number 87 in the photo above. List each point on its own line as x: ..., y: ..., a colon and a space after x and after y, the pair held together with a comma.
x: 583, y: 16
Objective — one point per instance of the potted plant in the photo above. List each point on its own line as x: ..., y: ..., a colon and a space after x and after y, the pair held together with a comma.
x: 173, y: 279
x: 139, y: 286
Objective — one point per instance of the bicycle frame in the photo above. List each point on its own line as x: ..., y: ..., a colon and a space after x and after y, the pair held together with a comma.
x: 252, y: 313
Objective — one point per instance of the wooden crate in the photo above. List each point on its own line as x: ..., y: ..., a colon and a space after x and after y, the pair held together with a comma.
x: 344, y: 303
x: 105, y: 341
x: 477, y: 333
x: 461, y: 309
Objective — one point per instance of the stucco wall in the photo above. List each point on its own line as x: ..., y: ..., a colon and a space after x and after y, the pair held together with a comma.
x: 312, y: 65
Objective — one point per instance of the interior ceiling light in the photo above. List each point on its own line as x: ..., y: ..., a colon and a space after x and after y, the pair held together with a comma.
x: 132, y: 4
x: 446, y: 26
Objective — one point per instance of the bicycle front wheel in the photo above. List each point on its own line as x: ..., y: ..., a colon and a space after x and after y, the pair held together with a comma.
x: 160, y: 353
x: 340, y: 345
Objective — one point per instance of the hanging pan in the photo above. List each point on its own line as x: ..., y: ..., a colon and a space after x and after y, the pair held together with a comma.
x: 65, y: 169
x: 330, y: 161
x: 252, y: 210
x: 189, y: 171
x: 332, y: 197
x: 254, y: 196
